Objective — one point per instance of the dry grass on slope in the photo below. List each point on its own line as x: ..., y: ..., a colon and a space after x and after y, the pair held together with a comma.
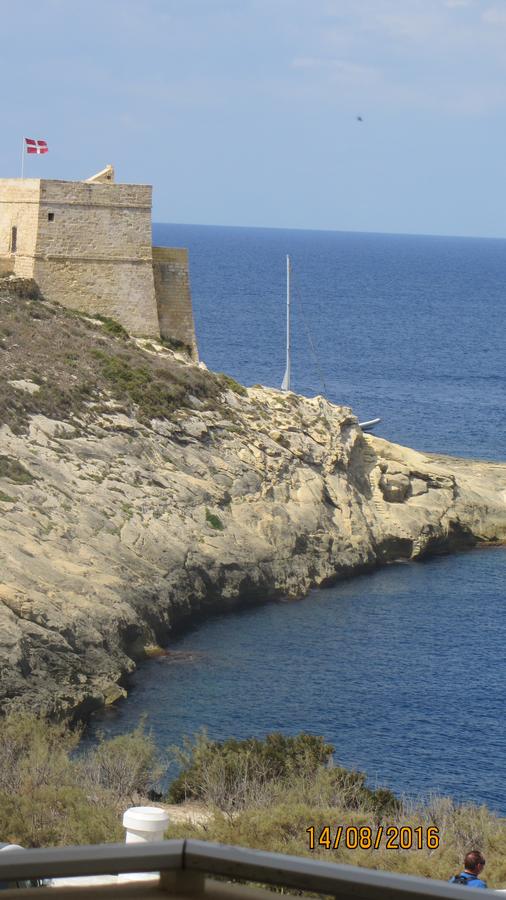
x: 76, y: 365
x: 282, y: 826
x: 266, y: 794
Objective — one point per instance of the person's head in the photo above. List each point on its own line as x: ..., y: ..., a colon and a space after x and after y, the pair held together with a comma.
x: 474, y: 862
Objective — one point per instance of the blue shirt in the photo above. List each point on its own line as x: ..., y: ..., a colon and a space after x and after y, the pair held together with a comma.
x: 472, y: 880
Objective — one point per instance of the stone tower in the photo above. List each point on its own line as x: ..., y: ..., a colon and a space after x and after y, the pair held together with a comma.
x: 88, y: 245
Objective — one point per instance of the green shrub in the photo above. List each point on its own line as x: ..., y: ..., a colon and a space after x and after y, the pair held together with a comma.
x: 25, y: 288
x: 175, y: 344
x: 33, y: 752
x: 214, y: 521
x: 42, y: 799
x: 231, y: 384
x: 231, y: 774
x: 126, y: 766
x: 53, y: 815
x: 112, y: 326
x: 51, y: 796
x: 119, y: 371
x: 154, y: 396
x: 14, y: 471
x: 266, y: 794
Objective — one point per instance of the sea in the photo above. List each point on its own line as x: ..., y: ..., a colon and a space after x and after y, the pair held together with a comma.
x: 404, y: 670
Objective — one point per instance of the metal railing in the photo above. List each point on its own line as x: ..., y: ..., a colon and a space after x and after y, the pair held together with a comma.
x: 187, y: 868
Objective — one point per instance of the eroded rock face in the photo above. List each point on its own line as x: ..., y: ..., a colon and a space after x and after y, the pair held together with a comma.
x: 121, y: 531
x: 395, y: 488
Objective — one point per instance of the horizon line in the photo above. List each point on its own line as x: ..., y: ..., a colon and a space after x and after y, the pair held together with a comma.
x: 422, y: 234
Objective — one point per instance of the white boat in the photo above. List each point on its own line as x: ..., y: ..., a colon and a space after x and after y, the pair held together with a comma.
x: 367, y: 426
x: 285, y: 384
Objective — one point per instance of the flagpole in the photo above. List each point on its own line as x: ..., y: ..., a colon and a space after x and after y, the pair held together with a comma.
x: 22, y: 157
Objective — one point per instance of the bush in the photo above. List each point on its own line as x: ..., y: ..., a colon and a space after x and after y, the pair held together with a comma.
x: 119, y: 371
x: 112, y: 326
x: 125, y: 766
x: 25, y: 288
x: 341, y: 788
x: 154, y: 394
x: 51, y: 796
x: 232, y: 774
x: 14, y: 471
x: 214, y: 521
x: 231, y: 384
x: 55, y: 815
x: 34, y: 753
x: 265, y: 793
x: 176, y: 345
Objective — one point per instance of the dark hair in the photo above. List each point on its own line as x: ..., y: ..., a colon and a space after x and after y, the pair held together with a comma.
x: 473, y: 859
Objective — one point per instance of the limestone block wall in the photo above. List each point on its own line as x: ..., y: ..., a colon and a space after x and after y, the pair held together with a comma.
x: 173, y: 297
x: 6, y: 266
x: 116, y: 289
x: 19, y: 209
x: 93, y: 251
x: 110, y: 221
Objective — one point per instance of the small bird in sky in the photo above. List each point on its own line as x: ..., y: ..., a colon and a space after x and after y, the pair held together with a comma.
x: 359, y: 119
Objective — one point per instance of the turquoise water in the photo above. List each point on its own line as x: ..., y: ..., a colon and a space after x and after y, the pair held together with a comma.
x: 403, y: 670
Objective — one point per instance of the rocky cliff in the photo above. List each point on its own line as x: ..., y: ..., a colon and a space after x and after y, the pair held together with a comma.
x: 137, y: 491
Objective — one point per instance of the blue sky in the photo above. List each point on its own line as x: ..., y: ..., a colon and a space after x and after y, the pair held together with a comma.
x: 243, y: 112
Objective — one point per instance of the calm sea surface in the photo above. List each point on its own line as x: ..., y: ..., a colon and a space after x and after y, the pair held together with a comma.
x: 404, y: 671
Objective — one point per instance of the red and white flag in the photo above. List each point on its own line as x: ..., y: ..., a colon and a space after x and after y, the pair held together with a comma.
x: 35, y: 146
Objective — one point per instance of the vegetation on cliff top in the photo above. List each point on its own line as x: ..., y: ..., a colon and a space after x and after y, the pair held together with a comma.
x: 51, y: 796
x: 79, y: 364
x: 263, y: 794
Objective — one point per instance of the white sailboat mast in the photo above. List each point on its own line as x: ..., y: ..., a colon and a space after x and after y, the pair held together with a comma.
x: 285, y: 386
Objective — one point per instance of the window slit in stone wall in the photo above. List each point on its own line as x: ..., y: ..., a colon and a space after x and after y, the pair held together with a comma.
x: 14, y: 238
x: 50, y: 217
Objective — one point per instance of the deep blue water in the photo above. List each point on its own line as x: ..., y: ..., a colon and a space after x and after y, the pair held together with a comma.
x: 404, y: 671
x: 407, y: 328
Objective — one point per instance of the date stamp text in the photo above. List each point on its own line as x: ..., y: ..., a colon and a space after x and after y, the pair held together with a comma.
x: 362, y: 837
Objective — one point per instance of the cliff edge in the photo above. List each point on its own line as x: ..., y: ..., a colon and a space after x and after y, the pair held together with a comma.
x: 138, y: 490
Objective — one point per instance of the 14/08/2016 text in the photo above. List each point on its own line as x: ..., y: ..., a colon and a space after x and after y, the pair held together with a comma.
x: 366, y: 838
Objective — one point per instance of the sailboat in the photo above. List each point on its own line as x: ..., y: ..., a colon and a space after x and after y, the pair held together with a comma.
x: 285, y: 384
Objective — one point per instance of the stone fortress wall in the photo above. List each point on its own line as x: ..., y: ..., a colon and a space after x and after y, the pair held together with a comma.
x: 173, y: 297
x: 88, y: 246
x: 95, y: 253
x: 19, y: 219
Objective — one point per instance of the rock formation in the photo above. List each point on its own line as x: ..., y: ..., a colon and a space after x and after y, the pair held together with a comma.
x: 116, y: 527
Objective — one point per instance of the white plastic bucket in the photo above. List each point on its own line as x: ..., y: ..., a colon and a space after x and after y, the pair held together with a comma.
x: 145, y: 823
